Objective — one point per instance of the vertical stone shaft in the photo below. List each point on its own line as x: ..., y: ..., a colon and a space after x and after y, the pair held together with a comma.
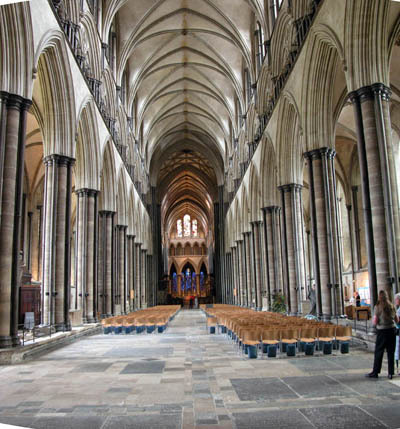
x: 105, y: 265
x: 256, y: 226
x: 292, y: 243
x: 235, y: 269
x: 13, y: 111
x: 121, y: 283
x: 241, y: 272
x: 86, y: 258
x: 56, y: 242
x: 325, y: 232
x: 138, y: 288
x: 131, y: 270
x: 249, y: 269
x: 371, y: 108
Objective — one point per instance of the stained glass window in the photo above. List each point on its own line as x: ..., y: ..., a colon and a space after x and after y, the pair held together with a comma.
x: 194, y: 227
x: 186, y: 226
x: 179, y: 227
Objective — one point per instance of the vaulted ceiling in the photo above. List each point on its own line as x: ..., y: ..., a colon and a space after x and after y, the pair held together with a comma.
x: 183, y: 65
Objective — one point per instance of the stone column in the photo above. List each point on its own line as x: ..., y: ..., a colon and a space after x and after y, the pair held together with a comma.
x: 242, y: 273
x: 325, y: 232
x: 105, y: 265
x: 273, y: 250
x: 257, y: 263
x: 249, y: 270
x: 121, y: 267
x: 292, y: 245
x: 372, y: 117
x: 138, y: 286
x: 56, y: 241
x: 143, y: 278
x: 86, y: 257
x: 13, y: 112
x: 131, y: 271
x: 235, y: 274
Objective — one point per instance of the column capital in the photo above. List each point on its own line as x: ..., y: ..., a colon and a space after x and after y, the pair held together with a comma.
x: 256, y: 222
x: 319, y: 153
x: 130, y: 236
x: 59, y: 159
x: 86, y: 192
x: 106, y: 213
x: 138, y: 244
x: 370, y: 92
x: 247, y: 233
x: 271, y: 209
x: 122, y: 227
x: 15, y: 101
x: 290, y: 187
x: 238, y: 241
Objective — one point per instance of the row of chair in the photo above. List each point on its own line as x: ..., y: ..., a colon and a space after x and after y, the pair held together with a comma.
x: 270, y: 332
x: 150, y: 320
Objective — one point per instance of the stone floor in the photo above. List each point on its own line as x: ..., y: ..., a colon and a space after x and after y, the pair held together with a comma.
x: 185, y: 378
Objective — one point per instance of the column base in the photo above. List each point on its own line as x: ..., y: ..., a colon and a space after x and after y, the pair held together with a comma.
x: 16, y: 341
x: 63, y: 327
x: 5, y: 342
x: 90, y: 320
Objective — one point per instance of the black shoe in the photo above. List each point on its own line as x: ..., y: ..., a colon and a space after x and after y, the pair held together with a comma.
x: 372, y: 375
x: 390, y: 376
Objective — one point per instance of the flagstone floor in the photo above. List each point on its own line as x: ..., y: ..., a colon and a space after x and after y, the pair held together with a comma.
x: 185, y: 379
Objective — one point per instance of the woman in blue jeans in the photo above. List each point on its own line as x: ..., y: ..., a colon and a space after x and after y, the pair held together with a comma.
x: 385, y: 320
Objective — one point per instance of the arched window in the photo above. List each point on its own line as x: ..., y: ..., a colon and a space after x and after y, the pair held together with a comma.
x: 275, y: 6
x: 259, y: 43
x: 194, y: 228
x: 186, y: 226
x: 179, y: 229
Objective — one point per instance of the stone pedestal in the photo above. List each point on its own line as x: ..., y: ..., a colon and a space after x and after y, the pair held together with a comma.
x: 13, y: 111
x: 248, y: 267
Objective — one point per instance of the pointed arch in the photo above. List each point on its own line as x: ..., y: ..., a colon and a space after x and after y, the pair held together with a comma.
x: 16, y: 47
x: 87, y: 167
x: 108, y: 180
x: 57, y: 92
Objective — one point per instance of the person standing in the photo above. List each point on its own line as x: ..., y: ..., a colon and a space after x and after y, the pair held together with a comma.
x: 357, y: 299
x: 313, y: 301
x: 385, y: 319
x: 397, y: 352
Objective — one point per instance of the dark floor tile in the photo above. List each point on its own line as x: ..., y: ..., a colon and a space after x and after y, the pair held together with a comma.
x: 389, y: 414
x: 255, y: 389
x: 138, y: 352
x: 352, y: 362
x: 166, y: 421
x: 156, y: 367
x: 314, y: 364
x: 69, y: 422
x: 344, y: 416
x: 317, y: 386
x: 92, y: 367
x: 285, y: 419
x: 31, y: 404
x: 367, y: 386
x: 119, y: 390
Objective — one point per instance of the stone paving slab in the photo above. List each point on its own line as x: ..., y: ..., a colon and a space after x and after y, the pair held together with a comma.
x: 187, y: 379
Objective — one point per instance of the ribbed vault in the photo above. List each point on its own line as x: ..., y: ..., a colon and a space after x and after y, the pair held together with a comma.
x: 183, y: 66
